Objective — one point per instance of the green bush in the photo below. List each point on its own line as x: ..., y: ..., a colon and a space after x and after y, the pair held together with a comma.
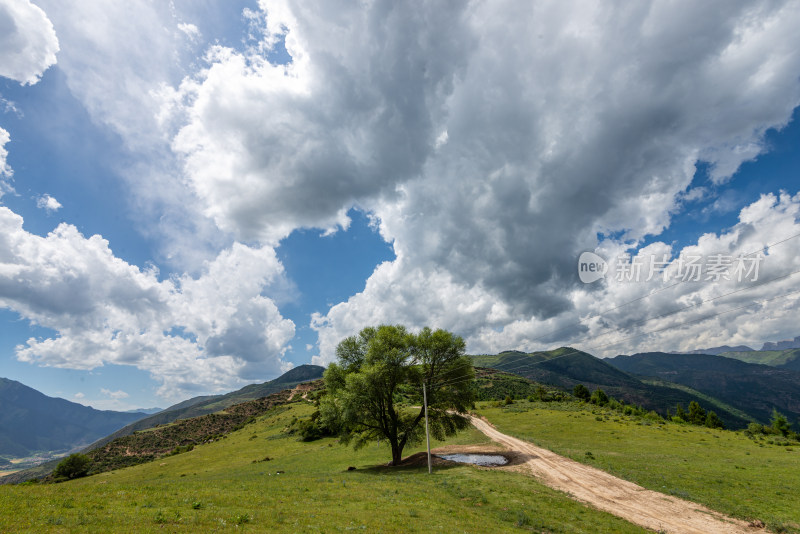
x: 180, y: 449
x: 653, y: 416
x: 779, y: 423
x: 599, y: 397
x: 311, y: 429
x: 697, y: 415
x: 581, y: 392
x: 713, y: 421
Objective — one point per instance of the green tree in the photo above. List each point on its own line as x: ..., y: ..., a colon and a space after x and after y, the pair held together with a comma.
x: 375, y: 387
x: 696, y: 415
x: 73, y: 466
x: 599, y: 397
x: 581, y: 392
x: 780, y: 423
x: 713, y: 420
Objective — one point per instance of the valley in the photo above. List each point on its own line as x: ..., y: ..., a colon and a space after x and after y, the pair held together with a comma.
x: 261, y: 476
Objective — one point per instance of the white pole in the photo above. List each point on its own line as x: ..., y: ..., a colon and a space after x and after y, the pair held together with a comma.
x: 427, y: 434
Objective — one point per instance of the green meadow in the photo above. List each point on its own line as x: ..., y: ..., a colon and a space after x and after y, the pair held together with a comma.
x: 229, y: 485
x: 726, y: 471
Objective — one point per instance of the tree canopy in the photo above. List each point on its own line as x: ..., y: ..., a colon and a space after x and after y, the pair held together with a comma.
x: 375, y: 387
x: 73, y: 466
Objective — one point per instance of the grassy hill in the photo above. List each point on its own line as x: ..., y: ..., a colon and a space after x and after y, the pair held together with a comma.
x: 749, y: 478
x: 261, y: 478
x: 33, y: 422
x: 751, y: 388
x: 566, y: 367
x: 198, y: 406
x: 492, y: 384
x: 127, y: 449
x: 165, y: 434
x: 303, y: 487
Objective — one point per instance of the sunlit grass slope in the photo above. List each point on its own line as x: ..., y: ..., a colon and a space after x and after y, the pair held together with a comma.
x: 724, y: 470
x: 304, y: 487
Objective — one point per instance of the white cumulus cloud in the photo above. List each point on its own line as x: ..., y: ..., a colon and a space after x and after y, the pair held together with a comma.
x: 6, y: 173
x: 28, y: 41
x: 762, y: 305
x: 564, y: 120
x: 190, y: 30
x: 210, y: 332
x: 116, y: 395
x: 493, y: 142
x: 48, y: 203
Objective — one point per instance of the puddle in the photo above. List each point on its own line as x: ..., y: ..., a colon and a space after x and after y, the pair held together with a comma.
x: 489, y: 460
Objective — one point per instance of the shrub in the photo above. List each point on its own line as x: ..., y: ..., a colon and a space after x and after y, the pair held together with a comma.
x: 713, y: 421
x: 652, y: 415
x: 779, y: 423
x: 599, y: 397
x: 181, y: 449
x: 311, y: 429
x: 696, y: 415
x: 581, y: 392
x: 508, y: 400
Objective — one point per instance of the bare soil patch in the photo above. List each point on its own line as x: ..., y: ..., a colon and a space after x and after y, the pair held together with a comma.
x: 650, y: 509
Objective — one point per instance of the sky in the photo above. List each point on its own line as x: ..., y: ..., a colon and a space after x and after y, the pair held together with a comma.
x: 195, y: 196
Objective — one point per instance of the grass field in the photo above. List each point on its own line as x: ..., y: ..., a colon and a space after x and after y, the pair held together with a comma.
x: 724, y: 470
x: 304, y: 487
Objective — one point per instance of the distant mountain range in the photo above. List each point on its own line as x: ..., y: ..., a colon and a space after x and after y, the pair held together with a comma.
x: 718, y: 350
x: 768, y: 346
x: 752, y: 388
x: 782, y: 359
x: 566, y: 367
x: 148, y: 411
x: 738, y: 390
x: 783, y: 345
x: 31, y: 422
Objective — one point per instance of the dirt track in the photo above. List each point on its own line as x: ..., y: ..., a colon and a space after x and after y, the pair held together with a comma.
x: 633, y: 503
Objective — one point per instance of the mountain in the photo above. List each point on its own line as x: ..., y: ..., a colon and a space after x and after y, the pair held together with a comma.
x: 203, y: 405
x: 148, y: 411
x: 752, y: 388
x: 718, y: 350
x: 32, y: 422
x: 783, y: 359
x: 783, y: 345
x: 566, y: 367
x: 185, y: 415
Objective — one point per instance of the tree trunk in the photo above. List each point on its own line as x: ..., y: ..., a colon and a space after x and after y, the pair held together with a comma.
x: 397, y: 453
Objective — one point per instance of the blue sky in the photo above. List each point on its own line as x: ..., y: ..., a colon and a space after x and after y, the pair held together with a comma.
x: 194, y: 197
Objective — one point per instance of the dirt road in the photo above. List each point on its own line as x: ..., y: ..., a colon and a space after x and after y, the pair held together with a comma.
x: 647, y: 508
